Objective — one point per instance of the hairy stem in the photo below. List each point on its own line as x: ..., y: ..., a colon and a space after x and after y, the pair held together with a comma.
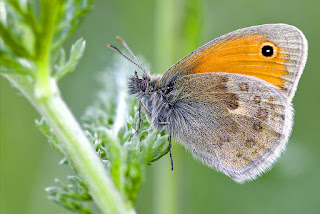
x: 76, y: 146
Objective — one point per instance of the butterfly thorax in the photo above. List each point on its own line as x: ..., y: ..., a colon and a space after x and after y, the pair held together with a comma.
x: 155, y: 97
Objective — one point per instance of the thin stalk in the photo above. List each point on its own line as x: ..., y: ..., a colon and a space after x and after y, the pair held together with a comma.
x: 179, y: 30
x: 165, y: 188
x: 77, y: 147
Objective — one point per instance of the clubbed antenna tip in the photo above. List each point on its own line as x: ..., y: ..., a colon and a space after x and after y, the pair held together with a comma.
x: 119, y: 39
x: 137, y: 63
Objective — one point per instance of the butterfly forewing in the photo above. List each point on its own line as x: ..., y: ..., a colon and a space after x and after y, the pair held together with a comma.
x: 275, y: 53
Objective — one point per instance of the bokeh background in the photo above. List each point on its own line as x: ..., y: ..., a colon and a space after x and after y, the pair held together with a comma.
x: 164, y: 31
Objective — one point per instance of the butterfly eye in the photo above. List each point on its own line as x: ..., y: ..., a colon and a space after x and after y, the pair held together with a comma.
x: 143, y: 85
x: 267, y: 50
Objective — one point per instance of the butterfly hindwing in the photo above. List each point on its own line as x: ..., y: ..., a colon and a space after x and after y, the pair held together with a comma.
x: 240, y: 134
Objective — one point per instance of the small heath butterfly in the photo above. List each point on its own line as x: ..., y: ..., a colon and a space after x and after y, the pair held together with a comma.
x: 229, y: 102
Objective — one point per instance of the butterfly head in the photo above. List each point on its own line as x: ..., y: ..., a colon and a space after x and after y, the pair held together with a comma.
x: 141, y: 86
x: 138, y: 84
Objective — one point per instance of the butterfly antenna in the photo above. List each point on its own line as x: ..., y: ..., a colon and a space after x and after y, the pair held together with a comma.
x: 134, y: 56
x: 122, y: 54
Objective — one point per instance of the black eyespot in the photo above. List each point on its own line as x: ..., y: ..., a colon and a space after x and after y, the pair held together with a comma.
x: 143, y: 85
x: 267, y: 50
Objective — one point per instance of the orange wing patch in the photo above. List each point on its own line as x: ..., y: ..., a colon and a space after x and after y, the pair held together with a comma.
x: 253, y: 55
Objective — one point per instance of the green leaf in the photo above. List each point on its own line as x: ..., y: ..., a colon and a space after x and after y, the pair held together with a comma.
x: 74, y: 10
x: 47, y: 131
x: 71, y: 196
x: 76, y: 53
x: 13, y: 43
x: 26, y: 13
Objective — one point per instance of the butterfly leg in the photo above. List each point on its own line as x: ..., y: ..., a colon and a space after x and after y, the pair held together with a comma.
x: 170, y: 147
x: 140, y: 120
x: 144, y: 107
x: 170, y: 144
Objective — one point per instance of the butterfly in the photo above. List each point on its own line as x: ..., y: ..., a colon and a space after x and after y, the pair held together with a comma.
x: 229, y: 102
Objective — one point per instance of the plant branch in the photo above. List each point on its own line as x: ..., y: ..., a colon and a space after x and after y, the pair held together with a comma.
x: 76, y: 146
x: 40, y: 87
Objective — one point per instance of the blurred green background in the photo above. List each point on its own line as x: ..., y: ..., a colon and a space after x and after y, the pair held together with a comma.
x: 162, y: 32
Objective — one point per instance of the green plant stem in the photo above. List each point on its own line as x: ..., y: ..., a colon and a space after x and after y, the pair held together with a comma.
x: 49, y: 14
x: 165, y: 185
x: 76, y: 146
